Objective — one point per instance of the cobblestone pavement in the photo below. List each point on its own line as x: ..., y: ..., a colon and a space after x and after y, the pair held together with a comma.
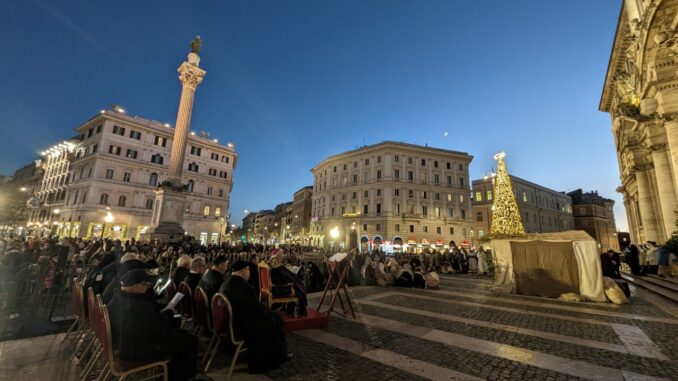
x: 464, y: 331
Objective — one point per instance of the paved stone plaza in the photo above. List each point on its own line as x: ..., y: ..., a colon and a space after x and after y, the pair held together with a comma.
x: 465, y: 332
x: 461, y: 332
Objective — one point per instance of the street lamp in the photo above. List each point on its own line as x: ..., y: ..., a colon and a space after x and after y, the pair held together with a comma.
x: 107, y: 220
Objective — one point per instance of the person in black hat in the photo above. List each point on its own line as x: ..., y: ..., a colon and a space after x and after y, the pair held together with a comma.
x: 261, y: 328
x: 141, y: 333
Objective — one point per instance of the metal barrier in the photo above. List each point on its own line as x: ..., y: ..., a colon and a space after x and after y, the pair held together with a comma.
x: 35, y: 298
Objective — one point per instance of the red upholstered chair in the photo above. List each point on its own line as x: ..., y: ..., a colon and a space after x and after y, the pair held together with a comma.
x: 94, y: 308
x: 117, y: 367
x: 266, y: 286
x: 222, y: 322
x: 84, y: 332
x: 201, y: 312
x: 74, y: 311
x: 186, y: 303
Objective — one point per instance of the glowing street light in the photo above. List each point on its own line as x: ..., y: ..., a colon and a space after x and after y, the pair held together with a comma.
x: 334, y: 232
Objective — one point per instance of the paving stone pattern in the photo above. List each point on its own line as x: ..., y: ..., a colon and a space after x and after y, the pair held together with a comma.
x: 315, y: 359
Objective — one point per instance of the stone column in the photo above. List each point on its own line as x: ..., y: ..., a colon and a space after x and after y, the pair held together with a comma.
x: 665, y: 188
x: 647, y: 212
x: 170, y: 199
x: 190, y: 76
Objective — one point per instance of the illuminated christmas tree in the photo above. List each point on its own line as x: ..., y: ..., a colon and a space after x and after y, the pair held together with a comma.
x: 506, y: 220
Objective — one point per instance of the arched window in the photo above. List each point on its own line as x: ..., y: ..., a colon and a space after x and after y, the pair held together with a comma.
x: 149, y: 204
x: 153, y: 181
x: 122, y: 200
x: 206, y: 211
x: 103, y: 200
x: 217, y: 212
x: 190, y: 185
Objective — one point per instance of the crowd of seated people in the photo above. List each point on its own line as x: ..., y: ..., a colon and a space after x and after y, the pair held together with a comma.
x: 123, y: 273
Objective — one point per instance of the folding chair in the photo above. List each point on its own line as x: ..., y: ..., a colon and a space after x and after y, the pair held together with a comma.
x: 117, y: 367
x: 222, y: 324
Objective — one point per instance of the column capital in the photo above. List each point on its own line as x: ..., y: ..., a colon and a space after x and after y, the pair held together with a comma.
x: 658, y: 147
x: 190, y: 75
x: 643, y: 167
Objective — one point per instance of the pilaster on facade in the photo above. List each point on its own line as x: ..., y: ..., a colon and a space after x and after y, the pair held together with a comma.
x: 641, y: 94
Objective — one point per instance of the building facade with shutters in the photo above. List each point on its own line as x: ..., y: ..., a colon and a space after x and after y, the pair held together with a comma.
x: 541, y: 209
x: 117, y: 165
x: 301, y: 222
x: 394, y: 196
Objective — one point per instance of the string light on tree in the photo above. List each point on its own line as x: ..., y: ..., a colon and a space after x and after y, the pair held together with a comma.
x: 506, y: 220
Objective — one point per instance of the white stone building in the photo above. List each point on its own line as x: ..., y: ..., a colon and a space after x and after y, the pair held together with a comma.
x: 396, y: 195
x: 119, y: 162
x: 641, y: 95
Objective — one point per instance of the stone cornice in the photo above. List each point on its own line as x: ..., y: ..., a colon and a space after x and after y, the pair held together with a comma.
x: 397, y: 148
x: 618, y: 47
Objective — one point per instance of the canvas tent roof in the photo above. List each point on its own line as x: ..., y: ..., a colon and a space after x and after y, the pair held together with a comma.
x: 570, y: 235
x: 549, y: 264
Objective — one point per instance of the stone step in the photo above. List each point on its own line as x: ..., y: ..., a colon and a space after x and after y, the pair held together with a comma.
x: 654, y: 288
x: 673, y: 280
x: 663, y: 282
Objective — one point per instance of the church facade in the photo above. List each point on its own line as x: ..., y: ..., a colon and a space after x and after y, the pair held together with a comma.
x: 641, y: 95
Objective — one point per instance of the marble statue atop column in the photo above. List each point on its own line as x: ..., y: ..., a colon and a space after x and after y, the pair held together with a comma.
x: 166, y: 224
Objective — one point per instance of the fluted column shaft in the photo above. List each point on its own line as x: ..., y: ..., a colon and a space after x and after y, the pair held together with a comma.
x: 191, y: 76
x: 647, y: 213
x: 665, y: 188
x: 181, y: 130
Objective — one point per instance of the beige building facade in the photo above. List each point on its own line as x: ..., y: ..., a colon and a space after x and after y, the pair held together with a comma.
x: 641, y: 95
x: 594, y: 214
x: 541, y: 209
x: 121, y: 160
x: 56, y: 166
x: 394, y: 196
x: 301, y: 209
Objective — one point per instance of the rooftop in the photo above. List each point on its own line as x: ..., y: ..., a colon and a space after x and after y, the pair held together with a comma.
x: 393, y: 144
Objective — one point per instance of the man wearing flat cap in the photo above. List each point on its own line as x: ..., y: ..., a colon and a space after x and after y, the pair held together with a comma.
x: 141, y: 333
x: 261, y: 328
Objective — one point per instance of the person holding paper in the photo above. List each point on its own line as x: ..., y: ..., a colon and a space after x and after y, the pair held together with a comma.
x: 141, y: 333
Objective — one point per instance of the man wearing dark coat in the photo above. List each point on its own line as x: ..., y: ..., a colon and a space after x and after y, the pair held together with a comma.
x: 261, y: 328
x: 214, y: 277
x: 610, y: 263
x: 633, y: 259
x: 128, y: 262
x: 198, y: 267
x: 141, y: 333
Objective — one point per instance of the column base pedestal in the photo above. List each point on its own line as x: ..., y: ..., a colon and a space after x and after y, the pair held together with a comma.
x: 168, y: 214
x: 165, y: 232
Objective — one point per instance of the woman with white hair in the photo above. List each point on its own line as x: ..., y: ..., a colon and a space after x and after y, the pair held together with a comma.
x: 183, y: 269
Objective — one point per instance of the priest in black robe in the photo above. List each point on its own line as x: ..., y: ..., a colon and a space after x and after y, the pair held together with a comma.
x: 281, y: 276
x: 253, y: 321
